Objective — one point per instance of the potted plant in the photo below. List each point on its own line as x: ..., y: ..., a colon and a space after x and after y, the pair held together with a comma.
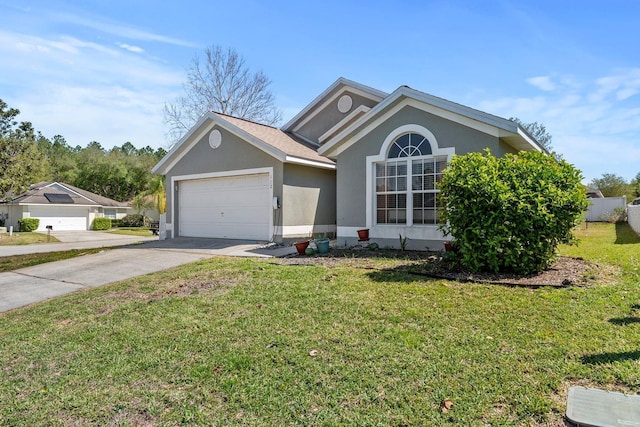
x: 363, y: 235
x: 322, y: 245
x: 301, y: 246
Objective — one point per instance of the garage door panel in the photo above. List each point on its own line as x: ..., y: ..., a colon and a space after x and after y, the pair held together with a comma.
x: 61, y: 218
x: 237, y: 207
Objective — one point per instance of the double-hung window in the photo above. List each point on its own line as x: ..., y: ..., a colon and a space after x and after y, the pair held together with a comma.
x: 406, y: 182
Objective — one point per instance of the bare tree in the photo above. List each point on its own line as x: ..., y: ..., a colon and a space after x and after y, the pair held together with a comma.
x: 222, y: 83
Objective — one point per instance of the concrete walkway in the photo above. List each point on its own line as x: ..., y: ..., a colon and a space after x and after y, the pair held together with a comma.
x: 41, y: 282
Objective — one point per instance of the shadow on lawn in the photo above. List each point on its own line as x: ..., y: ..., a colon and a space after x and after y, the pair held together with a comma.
x: 623, y: 321
x: 602, y: 358
x: 625, y: 234
x: 402, y: 273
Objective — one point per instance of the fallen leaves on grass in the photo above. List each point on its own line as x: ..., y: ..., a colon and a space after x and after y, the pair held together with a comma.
x: 446, y: 405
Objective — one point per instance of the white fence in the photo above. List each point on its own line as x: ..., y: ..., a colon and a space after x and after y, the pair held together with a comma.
x: 600, y: 207
x: 633, y: 215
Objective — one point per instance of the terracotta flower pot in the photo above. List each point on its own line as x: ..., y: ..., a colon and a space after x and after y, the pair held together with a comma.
x: 448, y: 247
x: 301, y: 247
x: 363, y: 234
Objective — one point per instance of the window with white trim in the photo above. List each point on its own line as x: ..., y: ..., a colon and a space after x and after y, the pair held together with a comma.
x: 406, y: 182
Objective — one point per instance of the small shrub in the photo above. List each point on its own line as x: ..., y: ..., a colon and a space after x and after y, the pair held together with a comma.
x: 115, y: 223
x: 135, y: 220
x: 29, y: 224
x: 618, y: 215
x: 101, y: 223
x: 511, y: 213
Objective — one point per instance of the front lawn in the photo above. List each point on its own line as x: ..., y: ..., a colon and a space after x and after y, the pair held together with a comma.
x: 354, y: 341
x: 25, y: 238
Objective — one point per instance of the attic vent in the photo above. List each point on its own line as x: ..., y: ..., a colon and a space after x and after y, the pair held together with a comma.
x: 215, y: 139
x: 58, y: 198
x: 345, y: 103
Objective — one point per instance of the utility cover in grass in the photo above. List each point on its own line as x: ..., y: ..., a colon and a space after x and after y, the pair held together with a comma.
x: 600, y: 408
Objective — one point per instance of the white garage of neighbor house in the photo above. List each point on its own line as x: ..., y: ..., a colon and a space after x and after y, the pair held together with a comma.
x: 61, y: 206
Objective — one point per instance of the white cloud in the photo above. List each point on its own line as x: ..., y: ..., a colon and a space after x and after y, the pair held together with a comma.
x: 86, y: 91
x: 130, y: 48
x: 110, y: 115
x: 119, y: 30
x: 593, y: 123
x: 543, y: 83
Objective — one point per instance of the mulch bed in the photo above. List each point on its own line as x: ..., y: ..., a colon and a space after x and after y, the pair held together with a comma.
x: 565, y: 272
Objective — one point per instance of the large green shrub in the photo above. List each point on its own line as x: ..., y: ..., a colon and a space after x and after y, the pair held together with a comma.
x: 510, y: 213
x: 134, y: 220
x: 101, y: 223
x: 29, y: 224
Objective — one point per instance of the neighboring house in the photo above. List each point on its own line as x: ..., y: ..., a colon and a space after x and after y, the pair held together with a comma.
x: 594, y: 193
x: 62, y: 206
x: 354, y: 158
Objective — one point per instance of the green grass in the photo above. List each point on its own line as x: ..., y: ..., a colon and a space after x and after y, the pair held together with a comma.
x: 16, y: 262
x: 227, y: 341
x: 609, y: 244
x: 25, y: 239
x: 131, y: 231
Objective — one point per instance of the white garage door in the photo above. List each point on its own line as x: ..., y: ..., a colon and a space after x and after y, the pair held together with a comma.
x: 236, y: 207
x: 60, y: 217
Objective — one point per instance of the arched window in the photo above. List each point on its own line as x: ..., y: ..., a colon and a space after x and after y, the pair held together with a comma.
x: 409, y: 145
x: 406, y: 181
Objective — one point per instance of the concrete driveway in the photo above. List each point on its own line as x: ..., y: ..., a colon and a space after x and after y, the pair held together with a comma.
x: 41, y: 282
x: 74, y: 240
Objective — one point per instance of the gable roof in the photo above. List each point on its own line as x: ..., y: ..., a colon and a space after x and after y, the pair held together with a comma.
x: 332, y: 92
x: 509, y: 131
x: 52, y: 193
x: 281, y: 145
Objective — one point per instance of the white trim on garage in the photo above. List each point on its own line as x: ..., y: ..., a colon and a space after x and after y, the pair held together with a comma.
x: 176, y: 180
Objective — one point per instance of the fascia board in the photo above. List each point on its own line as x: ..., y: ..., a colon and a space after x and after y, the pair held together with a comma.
x: 317, y: 103
x: 161, y: 168
x: 301, y: 161
x: 200, y: 130
x: 342, y: 123
x: 531, y: 140
x: 462, y: 110
x: 479, y: 120
x: 328, y: 148
x: 512, y: 128
x: 69, y: 205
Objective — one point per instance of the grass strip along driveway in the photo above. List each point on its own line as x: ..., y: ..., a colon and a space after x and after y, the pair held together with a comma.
x: 28, y: 238
x: 16, y: 262
x: 232, y: 341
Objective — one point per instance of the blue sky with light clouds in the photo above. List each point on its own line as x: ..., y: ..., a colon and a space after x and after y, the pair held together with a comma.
x: 102, y: 70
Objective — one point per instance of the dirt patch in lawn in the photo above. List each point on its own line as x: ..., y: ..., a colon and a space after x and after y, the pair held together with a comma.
x: 565, y: 272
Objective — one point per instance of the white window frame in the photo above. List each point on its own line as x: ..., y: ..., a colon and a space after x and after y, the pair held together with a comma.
x: 392, y: 230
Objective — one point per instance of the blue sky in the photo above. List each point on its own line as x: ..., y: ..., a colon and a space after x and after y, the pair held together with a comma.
x: 102, y: 69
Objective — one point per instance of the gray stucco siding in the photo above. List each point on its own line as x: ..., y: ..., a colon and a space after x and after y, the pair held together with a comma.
x: 352, y: 163
x: 330, y: 116
x: 309, y: 198
x: 234, y: 154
